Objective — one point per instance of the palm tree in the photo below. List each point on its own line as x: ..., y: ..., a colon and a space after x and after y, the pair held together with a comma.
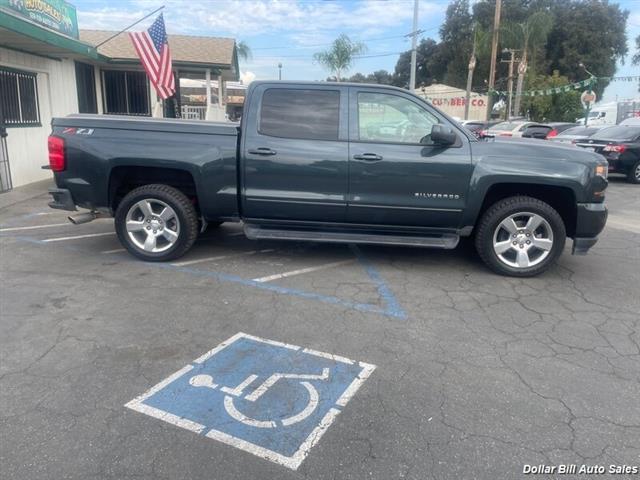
x: 527, y: 36
x: 341, y: 55
x: 243, y: 50
x: 480, y: 45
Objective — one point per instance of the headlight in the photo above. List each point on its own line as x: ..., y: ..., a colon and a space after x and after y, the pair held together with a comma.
x: 602, y: 170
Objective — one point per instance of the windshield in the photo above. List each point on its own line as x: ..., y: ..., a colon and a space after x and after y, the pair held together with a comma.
x: 594, y: 114
x: 617, y: 133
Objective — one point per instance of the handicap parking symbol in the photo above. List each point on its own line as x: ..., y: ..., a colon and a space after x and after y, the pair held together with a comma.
x: 269, y: 398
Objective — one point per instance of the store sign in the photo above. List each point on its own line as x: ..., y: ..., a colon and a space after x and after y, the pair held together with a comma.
x: 457, y: 102
x: 57, y: 15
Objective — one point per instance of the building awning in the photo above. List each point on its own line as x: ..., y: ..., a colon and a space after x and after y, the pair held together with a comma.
x: 186, y: 51
x: 25, y: 36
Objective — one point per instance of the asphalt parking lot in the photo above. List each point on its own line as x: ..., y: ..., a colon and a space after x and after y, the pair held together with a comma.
x: 475, y: 375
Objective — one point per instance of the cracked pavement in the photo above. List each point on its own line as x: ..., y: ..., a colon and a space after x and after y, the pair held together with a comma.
x: 485, y: 373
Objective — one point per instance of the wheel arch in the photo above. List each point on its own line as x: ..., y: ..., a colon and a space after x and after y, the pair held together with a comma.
x: 561, y: 198
x: 125, y: 178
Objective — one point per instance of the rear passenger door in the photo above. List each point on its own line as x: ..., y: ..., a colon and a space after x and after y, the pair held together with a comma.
x: 295, y: 153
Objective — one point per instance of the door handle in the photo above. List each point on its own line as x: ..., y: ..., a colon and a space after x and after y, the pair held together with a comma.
x: 368, y: 157
x: 262, y: 151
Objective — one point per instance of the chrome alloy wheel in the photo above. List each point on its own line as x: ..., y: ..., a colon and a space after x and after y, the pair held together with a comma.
x: 523, y: 240
x: 637, y: 172
x: 152, y: 225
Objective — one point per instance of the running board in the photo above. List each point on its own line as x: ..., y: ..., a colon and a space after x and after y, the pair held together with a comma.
x: 445, y: 241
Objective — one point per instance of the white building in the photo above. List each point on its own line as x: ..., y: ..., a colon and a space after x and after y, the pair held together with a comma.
x: 452, y: 101
x: 50, y: 69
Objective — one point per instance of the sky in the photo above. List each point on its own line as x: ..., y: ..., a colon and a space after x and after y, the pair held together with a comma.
x: 291, y: 31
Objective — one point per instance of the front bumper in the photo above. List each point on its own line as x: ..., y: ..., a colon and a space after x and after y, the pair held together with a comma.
x: 590, y: 221
x: 62, y: 199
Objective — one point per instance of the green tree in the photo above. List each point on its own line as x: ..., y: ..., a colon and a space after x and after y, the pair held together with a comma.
x: 526, y: 36
x: 591, y: 32
x: 243, y: 51
x: 559, y: 107
x: 340, y: 57
x: 430, y: 67
x: 381, y: 77
x: 457, y: 42
x: 588, y: 31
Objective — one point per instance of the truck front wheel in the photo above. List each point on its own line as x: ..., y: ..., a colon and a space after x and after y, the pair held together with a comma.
x: 520, y: 236
x: 156, y: 223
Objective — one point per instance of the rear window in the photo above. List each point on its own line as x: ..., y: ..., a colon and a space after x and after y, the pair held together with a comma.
x: 618, y: 133
x: 307, y: 114
x: 579, y: 131
x: 504, y: 126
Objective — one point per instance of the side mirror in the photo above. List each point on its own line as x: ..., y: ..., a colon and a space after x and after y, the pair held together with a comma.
x: 443, y: 135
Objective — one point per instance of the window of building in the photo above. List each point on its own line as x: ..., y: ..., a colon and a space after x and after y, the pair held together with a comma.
x: 390, y: 118
x: 19, y: 98
x: 86, y: 86
x: 126, y: 93
x: 307, y: 114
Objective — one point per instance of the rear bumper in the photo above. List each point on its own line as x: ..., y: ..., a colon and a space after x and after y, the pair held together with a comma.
x: 590, y: 221
x: 62, y: 199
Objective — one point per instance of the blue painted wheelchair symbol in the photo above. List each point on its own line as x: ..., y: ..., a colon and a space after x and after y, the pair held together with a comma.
x: 269, y: 398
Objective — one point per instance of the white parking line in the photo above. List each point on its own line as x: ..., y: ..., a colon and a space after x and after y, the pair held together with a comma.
x: 62, y: 239
x: 301, y: 271
x: 621, y: 224
x: 34, y: 227
x: 117, y: 250
x: 219, y: 257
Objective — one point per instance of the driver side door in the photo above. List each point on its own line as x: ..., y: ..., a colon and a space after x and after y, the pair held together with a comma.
x: 397, y: 175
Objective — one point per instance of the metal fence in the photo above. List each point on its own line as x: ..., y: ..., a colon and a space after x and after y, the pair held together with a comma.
x: 193, y: 112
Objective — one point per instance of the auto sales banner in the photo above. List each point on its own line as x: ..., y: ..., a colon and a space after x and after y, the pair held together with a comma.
x: 57, y: 15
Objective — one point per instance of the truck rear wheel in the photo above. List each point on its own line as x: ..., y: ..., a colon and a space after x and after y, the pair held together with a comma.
x: 156, y: 223
x: 520, y: 236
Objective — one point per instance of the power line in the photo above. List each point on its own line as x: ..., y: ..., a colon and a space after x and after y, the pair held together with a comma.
x: 384, y: 54
x: 378, y: 39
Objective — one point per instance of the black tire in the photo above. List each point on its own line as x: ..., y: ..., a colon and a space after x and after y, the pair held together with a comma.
x: 184, y: 212
x: 503, y: 209
x: 633, y: 175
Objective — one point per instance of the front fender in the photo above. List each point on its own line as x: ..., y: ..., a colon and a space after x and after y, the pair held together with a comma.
x: 495, y: 170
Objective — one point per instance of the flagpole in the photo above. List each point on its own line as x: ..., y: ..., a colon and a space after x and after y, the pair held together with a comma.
x: 132, y: 25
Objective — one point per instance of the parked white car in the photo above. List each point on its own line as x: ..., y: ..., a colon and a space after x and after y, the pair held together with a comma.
x: 633, y: 121
x: 507, y: 129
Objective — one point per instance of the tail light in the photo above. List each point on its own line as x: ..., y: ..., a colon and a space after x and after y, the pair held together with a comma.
x: 57, y: 160
x: 552, y: 133
x: 615, y: 148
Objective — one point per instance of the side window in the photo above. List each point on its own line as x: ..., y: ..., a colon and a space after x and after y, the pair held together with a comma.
x: 306, y: 114
x: 390, y: 118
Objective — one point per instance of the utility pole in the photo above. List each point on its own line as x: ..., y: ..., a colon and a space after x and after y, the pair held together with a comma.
x: 522, y: 69
x: 472, y: 66
x: 414, y: 41
x: 280, y: 71
x: 494, y: 53
x: 512, y: 60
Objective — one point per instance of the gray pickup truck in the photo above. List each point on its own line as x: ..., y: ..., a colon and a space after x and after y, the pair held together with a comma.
x: 330, y: 162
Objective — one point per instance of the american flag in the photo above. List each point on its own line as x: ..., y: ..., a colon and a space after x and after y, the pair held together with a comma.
x: 153, y: 49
